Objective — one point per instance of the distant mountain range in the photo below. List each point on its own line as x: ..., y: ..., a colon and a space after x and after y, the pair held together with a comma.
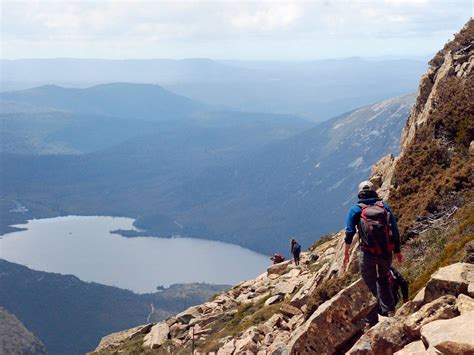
x: 70, y: 316
x: 247, y: 178
x: 317, y: 90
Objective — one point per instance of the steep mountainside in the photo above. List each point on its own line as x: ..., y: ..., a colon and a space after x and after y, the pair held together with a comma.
x: 70, y: 315
x: 15, y: 339
x: 301, y: 186
x: 230, y: 177
x: 319, y: 307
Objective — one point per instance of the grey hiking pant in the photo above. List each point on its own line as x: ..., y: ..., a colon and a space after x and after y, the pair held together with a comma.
x: 375, y: 272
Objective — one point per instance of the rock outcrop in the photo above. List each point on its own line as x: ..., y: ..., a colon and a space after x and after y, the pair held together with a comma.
x: 451, y: 336
x: 115, y: 340
x: 425, y: 318
x: 342, y: 315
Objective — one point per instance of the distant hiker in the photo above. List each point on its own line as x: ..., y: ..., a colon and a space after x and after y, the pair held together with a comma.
x: 379, y: 240
x: 397, y: 284
x: 295, y: 251
x: 277, y: 258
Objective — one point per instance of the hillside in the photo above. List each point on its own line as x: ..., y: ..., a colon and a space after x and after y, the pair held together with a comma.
x: 142, y: 101
x: 249, y: 179
x: 82, y: 150
x: 15, y: 339
x: 57, y: 308
x: 319, y: 306
x: 300, y: 186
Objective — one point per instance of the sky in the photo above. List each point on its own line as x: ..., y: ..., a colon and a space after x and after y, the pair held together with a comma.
x: 242, y: 30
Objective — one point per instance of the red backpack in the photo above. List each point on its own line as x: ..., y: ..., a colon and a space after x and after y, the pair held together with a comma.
x: 374, y: 229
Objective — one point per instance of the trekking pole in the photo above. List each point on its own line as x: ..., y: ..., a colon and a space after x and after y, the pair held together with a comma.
x: 192, y: 343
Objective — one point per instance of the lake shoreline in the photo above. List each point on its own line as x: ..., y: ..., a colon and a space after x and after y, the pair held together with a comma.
x: 91, y: 248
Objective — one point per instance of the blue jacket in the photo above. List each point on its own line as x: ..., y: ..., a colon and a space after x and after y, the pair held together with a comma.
x: 354, y: 217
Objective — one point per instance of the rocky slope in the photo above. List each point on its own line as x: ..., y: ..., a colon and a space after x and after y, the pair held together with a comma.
x: 318, y: 308
x: 15, y: 339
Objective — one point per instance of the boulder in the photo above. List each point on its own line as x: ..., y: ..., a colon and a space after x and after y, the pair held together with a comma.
x: 285, y: 287
x: 293, y: 273
x: 415, y: 348
x: 450, y: 336
x: 273, y: 300
x: 408, y: 308
x: 442, y: 308
x: 261, y: 289
x: 386, y: 337
x: 342, y: 315
x: 274, y: 321
x: 470, y: 290
x: 296, y: 321
x: 420, y: 296
x: 301, y: 296
x: 205, y: 320
x: 171, y: 321
x: 279, y: 347
x: 278, y: 268
x: 247, y: 343
x: 290, y: 311
x: 157, y: 336
x: 228, y: 348
x: 178, y: 330
x: 450, y: 280
x: 465, y: 304
x: 116, y: 339
x: 192, y: 312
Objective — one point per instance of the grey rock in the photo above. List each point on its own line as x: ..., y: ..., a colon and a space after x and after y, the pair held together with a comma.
x: 157, y: 336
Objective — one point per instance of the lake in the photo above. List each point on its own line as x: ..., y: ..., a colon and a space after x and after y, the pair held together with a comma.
x: 83, y: 246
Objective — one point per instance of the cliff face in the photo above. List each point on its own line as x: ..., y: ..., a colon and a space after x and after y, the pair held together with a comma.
x: 433, y: 174
x: 318, y: 307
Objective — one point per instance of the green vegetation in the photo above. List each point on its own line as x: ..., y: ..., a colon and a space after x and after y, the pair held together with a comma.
x: 247, y: 315
x: 437, y: 248
x: 317, y: 265
x: 462, y: 39
x: 436, y: 169
x: 132, y: 347
x: 321, y: 241
x: 434, y: 177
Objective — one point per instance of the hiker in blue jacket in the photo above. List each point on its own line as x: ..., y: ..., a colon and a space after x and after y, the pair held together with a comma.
x: 295, y: 251
x: 379, y: 241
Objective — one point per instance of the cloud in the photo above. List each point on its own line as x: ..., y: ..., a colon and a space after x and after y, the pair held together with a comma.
x: 197, y: 28
x: 273, y: 16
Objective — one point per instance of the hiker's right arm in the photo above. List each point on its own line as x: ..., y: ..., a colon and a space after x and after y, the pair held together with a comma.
x: 351, y: 222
